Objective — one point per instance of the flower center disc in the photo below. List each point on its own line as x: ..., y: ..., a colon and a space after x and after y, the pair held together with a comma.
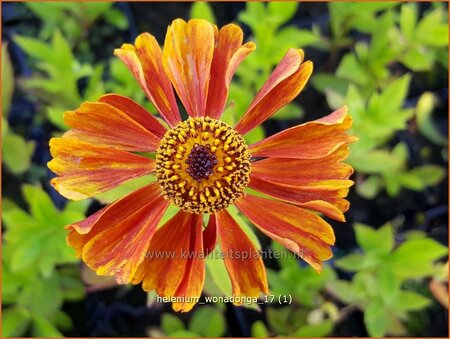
x: 202, y: 165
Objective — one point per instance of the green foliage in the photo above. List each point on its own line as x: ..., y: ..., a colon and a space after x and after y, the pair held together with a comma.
x: 75, y: 19
x: 206, y: 322
x: 7, y: 80
x: 381, y: 272
x: 202, y: 10
x: 59, y: 72
x: 16, y: 151
x: 36, y: 265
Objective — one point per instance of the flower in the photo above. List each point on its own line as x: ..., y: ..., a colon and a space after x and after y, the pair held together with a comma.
x: 202, y: 166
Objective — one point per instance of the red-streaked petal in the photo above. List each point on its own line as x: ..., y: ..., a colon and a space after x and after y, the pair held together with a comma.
x: 102, y: 124
x: 331, y: 191
x: 241, y: 257
x: 175, y: 265
x: 136, y: 112
x: 228, y: 54
x: 311, y: 140
x: 85, y: 170
x: 302, y: 232
x: 283, y: 85
x: 304, y: 171
x: 144, y: 60
x: 210, y: 236
x: 114, y: 240
x: 187, y: 57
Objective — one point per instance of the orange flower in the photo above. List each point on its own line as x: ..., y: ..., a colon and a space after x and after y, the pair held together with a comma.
x: 202, y: 166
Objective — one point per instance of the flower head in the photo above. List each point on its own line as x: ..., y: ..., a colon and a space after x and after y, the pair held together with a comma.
x: 202, y: 166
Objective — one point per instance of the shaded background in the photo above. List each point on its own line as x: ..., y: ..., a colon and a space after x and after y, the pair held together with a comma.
x: 387, y: 61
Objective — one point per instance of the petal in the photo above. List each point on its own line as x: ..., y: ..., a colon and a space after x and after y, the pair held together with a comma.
x: 302, y: 232
x: 103, y: 124
x: 210, y: 236
x: 85, y: 170
x: 114, y: 240
x: 136, y: 112
x: 187, y: 57
x: 144, y: 60
x: 310, y: 179
x: 331, y: 191
x: 175, y: 265
x: 228, y: 54
x: 304, y: 171
x: 311, y: 140
x: 283, y: 85
x: 241, y: 257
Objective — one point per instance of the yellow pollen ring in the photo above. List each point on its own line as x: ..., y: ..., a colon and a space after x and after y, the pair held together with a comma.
x: 202, y: 165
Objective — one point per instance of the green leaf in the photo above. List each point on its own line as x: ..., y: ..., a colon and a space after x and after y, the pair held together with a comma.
x: 415, y: 257
x: 322, y: 329
x: 202, y: 10
x: 421, y: 177
x: 431, y: 30
x: 40, y: 204
x: 15, y: 321
x: 351, y: 263
x: 408, y: 20
x: 427, y: 127
x: 42, y: 327
x: 171, y: 324
x: 388, y: 285
x: 63, y: 320
x: 17, y: 153
x: 116, y: 18
x: 288, y: 112
x: 184, y: 334
x: 216, y: 267
x: 343, y: 290
x: 417, y: 59
x: 323, y: 81
x: 371, y: 240
x: 33, y: 47
x: 282, y: 12
x: 259, y: 330
x: 410, y: 301
x: 370, y: 187
x: 27, y: 251
x: 213, y: 327
x: 254, y: 135
x: 7, y: 81
x: 392, y: 97
x: 375, y: 318
x: 278, y: 319
x: 376, y: 161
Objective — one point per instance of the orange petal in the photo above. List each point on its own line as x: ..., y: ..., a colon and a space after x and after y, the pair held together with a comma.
x: 331, y: 191
x: 311, y: 140
x: 242, y: 259
x: 283, y: 85
x: 114, y: 240
x: 210, y: 236
x: 136, y: 112
x: 228, y: 54
x: 175, y: 265
x: 302, y: 232
x: 187, y: 57
x: 85, y: 170
x: 328, y: 171
x: 304, y: 171
x: 103, y: 124
x: 144, y: 60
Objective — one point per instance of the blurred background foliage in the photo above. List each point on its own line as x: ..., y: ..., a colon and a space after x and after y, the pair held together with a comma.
x: 387, y: 61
